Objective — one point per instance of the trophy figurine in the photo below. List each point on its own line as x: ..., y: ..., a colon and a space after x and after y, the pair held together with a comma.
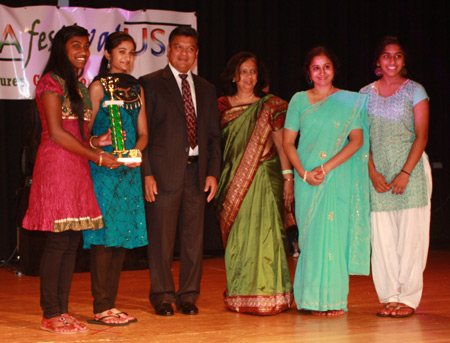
x: 115, y: 122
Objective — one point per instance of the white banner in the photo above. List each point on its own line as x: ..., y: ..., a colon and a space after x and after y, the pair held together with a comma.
x: 27, y: 32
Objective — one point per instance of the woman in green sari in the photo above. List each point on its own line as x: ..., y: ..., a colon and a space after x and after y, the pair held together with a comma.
x: 250, y: 193
x: 331, y: 187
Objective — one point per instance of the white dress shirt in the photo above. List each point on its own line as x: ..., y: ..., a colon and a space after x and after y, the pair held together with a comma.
x: 176, y: 73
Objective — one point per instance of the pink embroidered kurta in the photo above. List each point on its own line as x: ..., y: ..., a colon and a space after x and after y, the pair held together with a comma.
x: 62, y: 194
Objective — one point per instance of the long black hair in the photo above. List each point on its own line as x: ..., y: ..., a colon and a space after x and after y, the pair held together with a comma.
x: 59, y: 64
x: 114, y: 39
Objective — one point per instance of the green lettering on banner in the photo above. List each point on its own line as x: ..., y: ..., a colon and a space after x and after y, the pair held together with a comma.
x: 10, y: 32
x: 41, y: 39
x: 30, y: 47
x: 8, y: 82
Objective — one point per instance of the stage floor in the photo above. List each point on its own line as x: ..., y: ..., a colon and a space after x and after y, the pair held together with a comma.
x: 20, y: 313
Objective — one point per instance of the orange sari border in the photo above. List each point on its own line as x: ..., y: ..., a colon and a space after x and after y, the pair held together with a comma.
x: 250, y: 162
x: 262, y: 305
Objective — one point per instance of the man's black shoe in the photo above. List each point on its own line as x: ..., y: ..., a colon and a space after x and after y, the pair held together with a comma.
x: 164, y: 309
x: 188, y: 308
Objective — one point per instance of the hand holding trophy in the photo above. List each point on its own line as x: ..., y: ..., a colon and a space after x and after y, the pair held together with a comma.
x: 115, y: 122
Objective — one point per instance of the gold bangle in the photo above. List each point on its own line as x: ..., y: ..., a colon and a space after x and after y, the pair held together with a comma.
x: 100, y: 158
x: 304, y: 176
x: 90, y: 142
x: 323, y: 170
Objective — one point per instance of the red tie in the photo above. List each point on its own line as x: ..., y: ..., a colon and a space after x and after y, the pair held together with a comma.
x: 189, y: 110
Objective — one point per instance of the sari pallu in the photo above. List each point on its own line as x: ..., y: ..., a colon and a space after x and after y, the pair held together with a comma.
x: 250, y: 205
x: 333, y: 218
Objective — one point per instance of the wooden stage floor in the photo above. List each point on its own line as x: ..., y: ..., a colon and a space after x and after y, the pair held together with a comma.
x: 20, y: 313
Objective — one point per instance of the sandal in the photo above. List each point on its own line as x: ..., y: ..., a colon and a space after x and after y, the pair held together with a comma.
x: 386, y: 307
x: 403, y: 307
x: 75, y: 323
x: 104, y: 319
x: 58, y: 325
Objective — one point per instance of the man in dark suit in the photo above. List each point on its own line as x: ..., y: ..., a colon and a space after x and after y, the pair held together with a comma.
x: 181, y: 166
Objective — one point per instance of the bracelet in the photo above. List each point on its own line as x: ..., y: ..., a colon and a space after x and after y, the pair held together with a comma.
x: 405, y: 172
x: 288, y: 179
x: 323, y: 170
x: 287, y: 171
x: 304, y: 176
x: 100, y: 158
x: 90, y: 142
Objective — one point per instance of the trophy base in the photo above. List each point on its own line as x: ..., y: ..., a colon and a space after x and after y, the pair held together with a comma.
x: 129, y: 159
x: 113, y: 102
x: 129, y: 156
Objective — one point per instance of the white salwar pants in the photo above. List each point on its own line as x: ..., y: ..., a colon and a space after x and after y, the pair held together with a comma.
x: 400, y: 241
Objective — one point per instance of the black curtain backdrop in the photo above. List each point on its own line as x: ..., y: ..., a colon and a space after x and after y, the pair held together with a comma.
x: 280, y: 33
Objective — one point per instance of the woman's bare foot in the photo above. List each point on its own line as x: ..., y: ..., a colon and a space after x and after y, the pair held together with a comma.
x: 319, y: 313
x: 329, y: 313
x: 335, y: 313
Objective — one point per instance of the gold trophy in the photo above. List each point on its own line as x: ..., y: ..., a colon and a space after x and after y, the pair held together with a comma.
x: 115, y: 122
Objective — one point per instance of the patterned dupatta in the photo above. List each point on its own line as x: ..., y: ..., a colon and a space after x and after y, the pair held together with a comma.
x: 245, y: 132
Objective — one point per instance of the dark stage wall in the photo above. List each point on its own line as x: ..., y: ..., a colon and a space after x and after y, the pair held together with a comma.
x: 280, y: 33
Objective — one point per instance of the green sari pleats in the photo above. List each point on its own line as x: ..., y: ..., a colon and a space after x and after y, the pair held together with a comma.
x: 250, y: 205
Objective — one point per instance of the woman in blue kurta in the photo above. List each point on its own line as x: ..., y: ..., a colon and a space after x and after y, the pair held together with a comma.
x: 331, y: 187
x: 119, y: 191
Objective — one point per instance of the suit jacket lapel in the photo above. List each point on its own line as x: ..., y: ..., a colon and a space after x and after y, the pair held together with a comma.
x: 198, y: 98
x: 171, y: 84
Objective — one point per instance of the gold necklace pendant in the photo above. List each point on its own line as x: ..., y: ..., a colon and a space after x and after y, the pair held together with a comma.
x: 245, y: 99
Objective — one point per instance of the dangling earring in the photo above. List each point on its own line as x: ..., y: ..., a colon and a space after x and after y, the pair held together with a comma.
x: 404, y: 72
x: 310, y: 81
x: 378, y: 71
x: 108, y: 66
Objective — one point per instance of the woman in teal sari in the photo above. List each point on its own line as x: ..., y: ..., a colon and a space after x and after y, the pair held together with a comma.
x: 331, y: 187
x: 250, y: 192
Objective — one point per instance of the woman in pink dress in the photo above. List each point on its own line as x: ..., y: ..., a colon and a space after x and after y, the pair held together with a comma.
x: 62, y: 200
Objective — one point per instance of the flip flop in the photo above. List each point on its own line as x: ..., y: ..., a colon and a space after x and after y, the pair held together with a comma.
x: 134, y: 320
x: 387, y: 306
x: 402, y: 307
x: 101, y: 321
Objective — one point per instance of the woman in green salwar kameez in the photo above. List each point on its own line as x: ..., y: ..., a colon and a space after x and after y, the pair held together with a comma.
x: 331, y: 187
x: 250, y: 193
